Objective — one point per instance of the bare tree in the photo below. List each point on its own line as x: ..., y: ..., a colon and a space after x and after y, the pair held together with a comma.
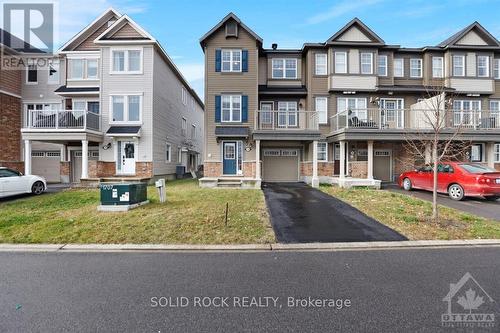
x: 435, y: 134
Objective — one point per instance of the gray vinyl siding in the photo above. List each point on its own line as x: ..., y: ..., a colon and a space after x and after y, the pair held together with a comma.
x: 43, y: 92
x: 168, y: 111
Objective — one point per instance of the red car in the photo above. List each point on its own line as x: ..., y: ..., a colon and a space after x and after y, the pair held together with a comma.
x: 458, y: 179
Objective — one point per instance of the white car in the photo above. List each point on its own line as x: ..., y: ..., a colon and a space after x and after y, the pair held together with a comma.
x: 13, y: 182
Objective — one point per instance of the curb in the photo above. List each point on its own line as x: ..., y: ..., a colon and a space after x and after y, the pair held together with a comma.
x: 247, y: 247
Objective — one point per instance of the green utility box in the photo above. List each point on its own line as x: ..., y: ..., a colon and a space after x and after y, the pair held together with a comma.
x: 122, y: 196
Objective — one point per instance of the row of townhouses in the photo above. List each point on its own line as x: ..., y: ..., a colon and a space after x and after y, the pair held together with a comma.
x: 339, y: 110
x: 111, y: 104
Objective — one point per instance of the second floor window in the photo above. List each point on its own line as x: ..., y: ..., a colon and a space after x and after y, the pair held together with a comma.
x: 399, y: 67
x: 184, y: 96
x: 340, y: 62
x: 183, y: 126
x: 32, y: 74
x: 437, y: 67
x: 126, y: 61
x: 83, y: 69
x: 126, y: 108
x: 483, y: 66
x: 284, y: 68
x: 496, y: 68
x: 458, y: 65
x: 367, y: 63
x: 322, y: 109
x: 231, y: 60
x: 321, y: 64
x: 231, y: 108
x: 382, y: 65
x: 193, y: 131
x: 415, y: 68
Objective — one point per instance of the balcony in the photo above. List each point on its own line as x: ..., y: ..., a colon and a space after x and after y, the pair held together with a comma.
x: 67, y: 120
x: 286, y: 125
x: 414, y: 119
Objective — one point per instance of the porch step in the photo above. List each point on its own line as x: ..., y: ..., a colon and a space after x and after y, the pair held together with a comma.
x: 229, y: 183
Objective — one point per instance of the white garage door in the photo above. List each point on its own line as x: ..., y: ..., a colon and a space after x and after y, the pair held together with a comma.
x: 280, y: 165
x: 47, y: 164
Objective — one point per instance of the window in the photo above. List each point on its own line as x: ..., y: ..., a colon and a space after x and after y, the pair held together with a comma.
x: 231, y: 108
x: 231, y: 60
x: 82, y: 69
x: 476, y: 153
x: 126, y: 108
x: 91, y: 68
x: 321, y: 64
x: 287, y: 114
x: 54, y: 75
x: 399, y: 67
x: 496, y: 69
x: 126, y: 61
x: 76, y: 68
x: 284, y: 68
x: 437, y: 67
x: 495, y: 106
x: 322, y: 151
x: 31, y: 74
x: 193, y: 131
x: 79, y: 105
x: 483, y: 66
x: 93, y: 107
x: 168, y: 152
x: 341, y: 62
x: 415, y: 67
x: 353, y: 108
x: 458, y: 65
x: 184, y: 95
x: 382, y: 65
x: 367, y: 63
x: 497, y: 153
x: 183, y: 126
x: 322, y: 109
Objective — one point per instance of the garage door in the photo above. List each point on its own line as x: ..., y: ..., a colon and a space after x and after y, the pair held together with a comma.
x: 280, y: 165
x: 382, y: 165
x: 47, y: 164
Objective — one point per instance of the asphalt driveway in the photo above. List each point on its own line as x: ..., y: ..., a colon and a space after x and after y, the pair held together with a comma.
x: 476, y: 206
x: 51, y: 188
x: 301, y: 214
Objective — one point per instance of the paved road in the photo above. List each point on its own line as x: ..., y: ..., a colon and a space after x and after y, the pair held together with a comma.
x: 476, y: 206
x: 301, y: 214
x: 389, y: 290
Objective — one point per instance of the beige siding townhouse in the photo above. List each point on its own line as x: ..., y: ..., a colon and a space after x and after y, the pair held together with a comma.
x: 118, y: 107
x: 339, y: 111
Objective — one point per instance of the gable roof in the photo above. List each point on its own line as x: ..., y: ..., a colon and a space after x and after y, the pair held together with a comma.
x: 229, y: 16
x: 475, y: 26
x: 107, y: 35
x: 375, y: 39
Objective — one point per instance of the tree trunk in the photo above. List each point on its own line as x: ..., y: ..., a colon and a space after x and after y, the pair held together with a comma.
x: 435, y: 161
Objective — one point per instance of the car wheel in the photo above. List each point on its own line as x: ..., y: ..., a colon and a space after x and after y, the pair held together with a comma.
x: 37, y: 188
x: 407, y: 184
x: 492, y: 198
x: 456, y: 192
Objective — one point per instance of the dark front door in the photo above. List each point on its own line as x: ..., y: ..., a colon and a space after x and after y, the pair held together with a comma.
x: 229, y: 158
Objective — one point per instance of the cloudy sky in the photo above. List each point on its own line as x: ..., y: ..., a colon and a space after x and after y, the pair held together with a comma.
x: 178, y: 25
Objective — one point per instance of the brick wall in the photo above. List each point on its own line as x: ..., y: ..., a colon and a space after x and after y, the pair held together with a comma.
x: 10, y: 130
x: 144, y: 169
x: 358, y: 169
x: 10, y: 80
x: 212, y: 169
x: 65, y: 168
x: 324, y: 169
x: 106, y: 169
x: 249, y: 169
x: 18, y: 166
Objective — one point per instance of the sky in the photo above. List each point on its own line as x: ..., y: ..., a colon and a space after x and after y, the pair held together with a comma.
x: 178, y: 25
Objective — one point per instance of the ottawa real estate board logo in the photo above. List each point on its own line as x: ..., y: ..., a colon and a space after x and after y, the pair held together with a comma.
x: 468, y: 305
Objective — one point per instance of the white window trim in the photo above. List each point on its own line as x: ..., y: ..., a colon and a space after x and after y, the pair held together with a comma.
x: 86, y: 101
x: 453, y: 65
x: 85, y: 76
x: 487, y: 66
x: 496, y: 63
x: 420, y: 67
x: 231, y: 70
x: 126, y: 60
x: 184, y: 95
x: 326, y: 151
x: 383, y: 56
x: 361, y: 63
x: 496, y: 153
x: 316, y: 63
x: 125, y: 108
x: 402, y: 61
x: 284, y: 77
x: 344, y: 71
x: 316, y: 108
x: 37, y: 78
x: 230, y: 109
x: 193, y: 131
x: 441, y: 74
x: 168, y: 147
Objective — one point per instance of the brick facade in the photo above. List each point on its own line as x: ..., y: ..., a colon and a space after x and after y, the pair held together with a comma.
x: 10, y: 133
x: 212, y: 169
x: 358, y: 169
x: 106, y: 169
x: 324, y: 169
x: 144, y: 169
x: 249, y: 169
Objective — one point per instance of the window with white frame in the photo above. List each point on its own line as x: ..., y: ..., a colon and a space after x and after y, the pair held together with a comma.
x: 184, y: 95
x: 483, y: 66
x: 32, y: 74
x: 168, y: 152
x: 92, y: 68
x: 231, y: 108
x: 126, y: 108
x: 496, y: 69
x: 322, y: 151
x: 497, y: 153
x: 321, y: 104
x: 415, y: 68
x: 462, y: 112
x: 183, y: 126
x: 458, y: 65
x: 231, y: 60
x: 341, y: 62
x: 366, y: 63
x: 83, y: 69
x: 126, y: 61
x: 76, y: 68
x: 399, y: 67
x: 495, y: 111
x: 382, y: 65
x: 352, y: 107
x: 287, y: 114
x: 437, y: 67
x: 193, y: 131
x: 284, y: 68
x: 54, y: 74
x: 321, y: 63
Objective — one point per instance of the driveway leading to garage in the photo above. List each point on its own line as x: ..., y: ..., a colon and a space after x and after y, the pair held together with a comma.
x: 301, y: 214
x: 475, y: 206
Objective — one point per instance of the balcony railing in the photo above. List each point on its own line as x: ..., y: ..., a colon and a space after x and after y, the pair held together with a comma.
x: 416, y: 119
x: 286, y: 120
x: 63, y: 119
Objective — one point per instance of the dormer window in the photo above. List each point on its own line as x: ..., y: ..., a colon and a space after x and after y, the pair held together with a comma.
x: 231, y: 29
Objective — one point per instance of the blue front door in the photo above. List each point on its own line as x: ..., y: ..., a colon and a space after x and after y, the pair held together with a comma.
x: 229, y: 155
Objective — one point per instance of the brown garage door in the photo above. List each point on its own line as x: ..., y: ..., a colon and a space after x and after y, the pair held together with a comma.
x: 280, y: 165
x: 47, y: 164
x: 382, y: 165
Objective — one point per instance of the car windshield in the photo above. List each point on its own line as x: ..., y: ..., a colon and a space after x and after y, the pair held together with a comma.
x: 476, y: 168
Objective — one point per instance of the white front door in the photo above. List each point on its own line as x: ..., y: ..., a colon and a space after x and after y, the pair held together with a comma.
x: 126, y: 154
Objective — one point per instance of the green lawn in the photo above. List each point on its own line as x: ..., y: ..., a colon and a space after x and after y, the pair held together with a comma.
x: 191, y: 215
x: 410, y: 216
